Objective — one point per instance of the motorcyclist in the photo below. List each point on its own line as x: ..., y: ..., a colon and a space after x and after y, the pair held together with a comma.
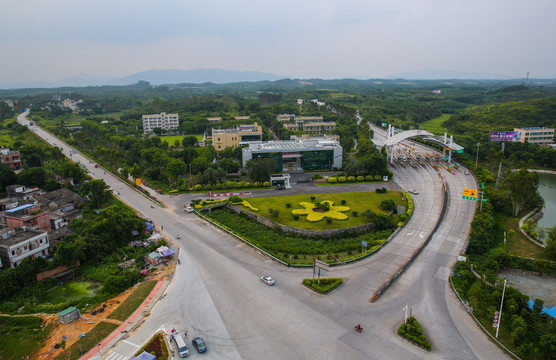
x: 358, y: 327
x: 179, y: 236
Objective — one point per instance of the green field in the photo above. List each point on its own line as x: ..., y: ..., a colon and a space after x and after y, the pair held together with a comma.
x: 133, y: 301
x: 72, y: 291
x: 435, y: 125
x: 22, y: 336
x: 172, y: 138
x: 356, y: 201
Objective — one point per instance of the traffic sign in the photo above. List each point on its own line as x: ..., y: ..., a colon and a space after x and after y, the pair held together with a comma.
x: 469, y: 194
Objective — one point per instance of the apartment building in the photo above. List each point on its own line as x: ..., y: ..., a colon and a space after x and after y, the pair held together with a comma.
x: 240, y: 135
x: 163, y: 121
x: 536, y: 135
x: 309, y: 124
x: 17, y: 245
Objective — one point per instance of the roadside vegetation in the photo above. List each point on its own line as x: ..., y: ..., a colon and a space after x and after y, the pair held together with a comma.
x: 132, y: 302
x: 155, y: 346
x: 84, y: 344
x: 323, y: 285
x: 412, y: 331
x: 22, y: 336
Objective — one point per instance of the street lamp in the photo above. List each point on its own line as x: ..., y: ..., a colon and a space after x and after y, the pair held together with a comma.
x: 477, y: 158
x: 500, y: 313
x: 405, y: 318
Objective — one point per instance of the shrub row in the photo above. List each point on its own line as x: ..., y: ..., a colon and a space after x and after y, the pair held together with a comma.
x: 229, y: 185
x: 325, y: 286
x: 343, y: 179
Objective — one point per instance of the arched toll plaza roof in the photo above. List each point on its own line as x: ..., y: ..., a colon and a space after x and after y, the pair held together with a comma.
x: 401, y: 136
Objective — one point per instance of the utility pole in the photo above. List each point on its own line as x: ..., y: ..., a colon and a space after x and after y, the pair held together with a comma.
x: 500, y: 313
x: 477, y: 158
x: 405, y: 318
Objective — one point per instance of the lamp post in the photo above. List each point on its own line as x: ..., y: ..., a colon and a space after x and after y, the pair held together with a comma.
x: 500, y: 313
x: 477, y: 158
x: 405, y: 318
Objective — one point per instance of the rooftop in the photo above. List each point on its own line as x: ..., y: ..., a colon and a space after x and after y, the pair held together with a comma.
x: 20, y: 236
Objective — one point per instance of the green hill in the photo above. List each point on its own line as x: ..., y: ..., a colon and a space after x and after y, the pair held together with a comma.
x: 528, y: 113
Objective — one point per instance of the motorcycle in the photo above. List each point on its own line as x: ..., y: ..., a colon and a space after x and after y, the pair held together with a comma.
x: 358, y: 328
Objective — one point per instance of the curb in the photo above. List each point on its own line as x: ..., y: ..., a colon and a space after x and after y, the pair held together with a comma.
x: 129, y: 325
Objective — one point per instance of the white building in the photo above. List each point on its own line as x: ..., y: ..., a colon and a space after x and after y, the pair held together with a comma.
x: 18, y: 245
x: 163, y: 121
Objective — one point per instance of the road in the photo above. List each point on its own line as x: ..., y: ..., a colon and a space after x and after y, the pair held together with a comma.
x: 216, y: 291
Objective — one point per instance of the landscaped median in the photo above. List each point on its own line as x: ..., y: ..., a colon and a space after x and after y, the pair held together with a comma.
x: 412, y: 331
x: 323, y: 286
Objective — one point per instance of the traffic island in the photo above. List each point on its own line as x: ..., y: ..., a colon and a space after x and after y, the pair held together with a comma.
x: 412, y: 331
x: 323, y: 286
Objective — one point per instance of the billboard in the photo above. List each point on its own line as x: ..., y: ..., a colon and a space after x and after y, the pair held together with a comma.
x: 506, y: 136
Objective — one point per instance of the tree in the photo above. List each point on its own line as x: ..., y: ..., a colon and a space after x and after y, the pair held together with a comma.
x: 260, y: 169
x: 189, y: 141
x: 33, y: 176
x: 97, y: 191
x: 230, y: 165
x: 387, y: 205
x: 7, y: 177
x: 176, y: 167
x: 522, y: 186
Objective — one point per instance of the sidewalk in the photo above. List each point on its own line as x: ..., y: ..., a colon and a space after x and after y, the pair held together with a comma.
x: 130, y: 323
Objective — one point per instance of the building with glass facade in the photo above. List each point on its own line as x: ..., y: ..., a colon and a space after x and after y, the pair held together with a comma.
x: 297, y: 155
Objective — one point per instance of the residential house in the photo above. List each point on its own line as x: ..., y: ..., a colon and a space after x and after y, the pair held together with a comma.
x: 11, y: 158
x: 20, y: 192
x: 28, y: 216
x: 17, y: 245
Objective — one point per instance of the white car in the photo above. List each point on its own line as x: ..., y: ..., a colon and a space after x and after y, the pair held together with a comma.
x: 189, y: 209
x: 267, y: 280
x: 414, y: 192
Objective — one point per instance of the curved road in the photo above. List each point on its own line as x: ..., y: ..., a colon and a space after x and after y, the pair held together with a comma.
x: 216, y: 291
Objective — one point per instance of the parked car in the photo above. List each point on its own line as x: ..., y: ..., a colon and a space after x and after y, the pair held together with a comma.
x: 466, y: 172
x: 189, y: 209
x: 199, y: 344
x: 414, y: 192
x: 183, y: 350
x: 280, y: 187
x: 267, y: 280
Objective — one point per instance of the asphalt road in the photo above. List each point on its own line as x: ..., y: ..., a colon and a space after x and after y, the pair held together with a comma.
x: 216, y: 292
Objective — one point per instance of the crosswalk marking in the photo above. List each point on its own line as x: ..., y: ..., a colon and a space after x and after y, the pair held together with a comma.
x: 116, y: 356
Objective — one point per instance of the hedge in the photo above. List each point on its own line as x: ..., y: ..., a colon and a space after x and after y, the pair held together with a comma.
x: 325, y: 286
x: 414, y: 333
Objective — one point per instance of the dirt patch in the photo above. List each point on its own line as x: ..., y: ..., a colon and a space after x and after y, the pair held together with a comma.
x: 533, y: 285
x: 73, y: 330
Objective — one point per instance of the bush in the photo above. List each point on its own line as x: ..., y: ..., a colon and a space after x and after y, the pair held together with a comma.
x: 414, y: 333
x: 343, y: 201
x: 256, y: 184
x: 328, y: 220
x: 198, y: 187
x: 317, y: 176
x: 296, y: 217
x: 208, y: 187
x: 342, y: 179
x: 234, y: 199
x: 313, y: 198
x: 369, y: 177
x: 360, y: 178
x: 351, y: 178
x: 288, y: 205
x: 332, y: 180
x: 325, y: 286
x: 266, y: 184
x: 247, y: 184
x: 387, y: 205
x: 218, y: 186
x: 377, y: 178
x: 354, y: 213
x: 382, y: 190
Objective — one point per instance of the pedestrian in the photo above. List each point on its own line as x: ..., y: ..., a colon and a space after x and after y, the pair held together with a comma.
x: 162, y: 228
x: 185, y: 332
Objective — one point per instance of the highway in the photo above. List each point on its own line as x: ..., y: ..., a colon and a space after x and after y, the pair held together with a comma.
x: 216, y: 292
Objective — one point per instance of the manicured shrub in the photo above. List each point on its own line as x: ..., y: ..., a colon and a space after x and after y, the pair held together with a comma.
x: 387, y: 205
x: 369, y: 177
x: 316, y: 176
x: 313, y: 198
x: 288, y: 205
x: 247, y: 184
x: 377, y: 177
x: 275, y: 213
x: 343, y: 201
x: 342, y: 179
x: 266, y: 184
x: 328, y: 220
x: 360, y: 178
x: 234, y: 199
x: 354, y: 213
x: 326, y: 285
x: 296, y: 217
x: 228, y: 184
x: 198, y: 187
x: 218, y: 186
x: 332, y: 179
x: 208, y: 187
x: 350, y: 178
x: 256, y: 184
x: 413, y: 332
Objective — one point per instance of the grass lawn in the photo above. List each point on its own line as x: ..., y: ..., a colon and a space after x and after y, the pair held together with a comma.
x: 72, y: 291
x: 435, y: 125
x: 88, y: 342
x: 356, y: 201
x: 133, y: 301
x: 22, y: 336
x: 521, y: 246
x: 170, y: 139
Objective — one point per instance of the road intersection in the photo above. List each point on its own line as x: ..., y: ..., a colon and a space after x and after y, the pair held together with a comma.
x: 216, y: 291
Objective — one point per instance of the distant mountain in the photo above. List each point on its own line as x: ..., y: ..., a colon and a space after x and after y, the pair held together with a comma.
x: 431, y: 74
x: 196, y: 76
x: 154, y: 77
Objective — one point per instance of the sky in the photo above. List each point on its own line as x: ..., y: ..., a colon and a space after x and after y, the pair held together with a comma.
x: 57, y: 39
